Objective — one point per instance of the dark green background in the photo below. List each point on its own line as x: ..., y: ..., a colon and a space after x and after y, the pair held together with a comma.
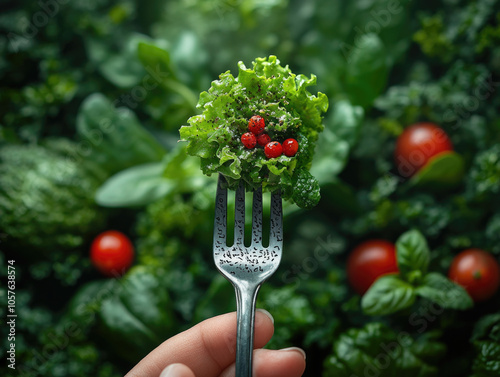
x: 66, y: 68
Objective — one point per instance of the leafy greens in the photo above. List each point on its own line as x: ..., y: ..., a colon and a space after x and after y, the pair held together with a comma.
x: 289, y: 110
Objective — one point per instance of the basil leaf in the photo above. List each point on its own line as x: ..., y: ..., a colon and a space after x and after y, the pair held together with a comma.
x: 113, y: 138
x: 412, y: 252
x: 442, y: 172
x: 388, y: 295
x: 439, y: 289
x: 136, y: 186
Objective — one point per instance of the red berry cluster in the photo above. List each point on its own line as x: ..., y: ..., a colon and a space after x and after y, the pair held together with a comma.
x: 272, y: 149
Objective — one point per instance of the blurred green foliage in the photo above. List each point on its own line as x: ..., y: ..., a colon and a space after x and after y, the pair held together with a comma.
x: 93, y: 89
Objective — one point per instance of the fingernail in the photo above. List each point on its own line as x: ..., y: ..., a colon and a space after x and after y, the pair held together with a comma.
x: 263, y: 311
x: 171, y: 371
x: 296, y: 349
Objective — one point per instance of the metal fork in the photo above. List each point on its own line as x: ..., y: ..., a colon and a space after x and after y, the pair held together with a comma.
x: 246, y: 267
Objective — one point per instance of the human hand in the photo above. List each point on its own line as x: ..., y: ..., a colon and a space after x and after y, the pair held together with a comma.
x: 209, y: 350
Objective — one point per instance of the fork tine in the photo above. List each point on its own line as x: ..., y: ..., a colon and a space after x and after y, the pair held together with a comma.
x: 220, y: 223
x: 257, y: 217
x: 276, y: 236
x: 239, y: 215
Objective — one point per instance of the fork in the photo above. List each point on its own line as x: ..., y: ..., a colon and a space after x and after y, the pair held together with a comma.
x: 246, y: 267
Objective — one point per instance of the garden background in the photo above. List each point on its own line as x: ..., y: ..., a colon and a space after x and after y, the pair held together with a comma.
x: 96, y: 87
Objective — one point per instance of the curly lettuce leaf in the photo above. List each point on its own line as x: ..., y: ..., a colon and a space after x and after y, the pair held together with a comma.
x: 289, y: 110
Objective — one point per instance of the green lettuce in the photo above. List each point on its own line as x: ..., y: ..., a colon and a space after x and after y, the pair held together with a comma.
x: 289, y: 110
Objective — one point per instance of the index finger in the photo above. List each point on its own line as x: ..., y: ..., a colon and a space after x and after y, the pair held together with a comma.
x: 207, y: 348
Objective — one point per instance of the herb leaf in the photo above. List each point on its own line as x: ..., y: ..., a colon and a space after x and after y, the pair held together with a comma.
x: 444, y: 292
x: 388, y: 295
x: 412, y: 252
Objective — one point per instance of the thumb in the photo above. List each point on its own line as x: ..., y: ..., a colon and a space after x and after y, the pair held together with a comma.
x: 177, y: 370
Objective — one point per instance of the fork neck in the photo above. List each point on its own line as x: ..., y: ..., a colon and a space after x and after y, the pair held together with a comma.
x: 246, y: 297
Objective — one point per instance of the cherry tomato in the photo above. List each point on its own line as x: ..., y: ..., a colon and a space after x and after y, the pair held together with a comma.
x: 263, y: 139
x: 112, y: 253
x: 249, y: 140
x: 477, y: 271
x: 256, y: 124
x: 290, y: 147
x: 417, y: 145
x: 273, y: 149
x: 368, y: 261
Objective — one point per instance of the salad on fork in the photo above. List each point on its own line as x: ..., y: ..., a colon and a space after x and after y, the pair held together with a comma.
x: 258, y: 132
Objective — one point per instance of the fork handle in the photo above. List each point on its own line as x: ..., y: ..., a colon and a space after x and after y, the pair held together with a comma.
x: 246, y: 297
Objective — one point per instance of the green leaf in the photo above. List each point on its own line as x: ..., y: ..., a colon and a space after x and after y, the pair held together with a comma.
x: 289, y: 109
x: 378, y: 350
x: 346, y: 121
x: 442, y: 172
x: 439, y: 289
x: 412, y: 253
x: 136, y: 186
x: 388, y: 295
x: 486, y: 340
x: 487, y: 362
x: 487, y: 328
x: 341, y: 132
x: 367, y: 70
x: 113, y: 138
x: 136, y: 313
x: 121, y: 68
x: 157, y: 63
x: 156, y: 59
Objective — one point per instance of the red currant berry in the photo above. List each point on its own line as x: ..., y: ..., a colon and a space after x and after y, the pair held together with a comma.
x: 256, y: 124
x: 263, y: 139
x: 290, y: 147
x: 249, y: 140
x: 273, y: 149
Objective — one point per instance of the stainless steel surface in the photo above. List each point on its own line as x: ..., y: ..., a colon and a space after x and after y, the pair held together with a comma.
x: 246, y: 267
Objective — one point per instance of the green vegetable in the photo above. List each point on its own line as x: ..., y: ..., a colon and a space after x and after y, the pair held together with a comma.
x: 412, y: 253
x: 395, y: 292
x: 486, y: 340
x: 113, y: 138
x: 46, y: 198
x: 292, y: 313
x: 383, y: 65
x: 441, y: 173
x: 387, y: 295
x: 136, y: 314
x: 289, y: 110
x: 146, y: 183
x: 376, y: 350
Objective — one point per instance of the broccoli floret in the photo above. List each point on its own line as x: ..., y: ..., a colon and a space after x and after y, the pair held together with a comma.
x: 306, y: 193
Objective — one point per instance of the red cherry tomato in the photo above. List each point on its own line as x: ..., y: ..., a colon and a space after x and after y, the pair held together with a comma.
x: 249, y: 140
x: 368, y: 261
x: 273, y: 149
x: 256, y: 124
x: 477, y: 271
x: 112, y: 253
x: 263, y: 139
x: 417, y: 144
x: 290, y: 147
